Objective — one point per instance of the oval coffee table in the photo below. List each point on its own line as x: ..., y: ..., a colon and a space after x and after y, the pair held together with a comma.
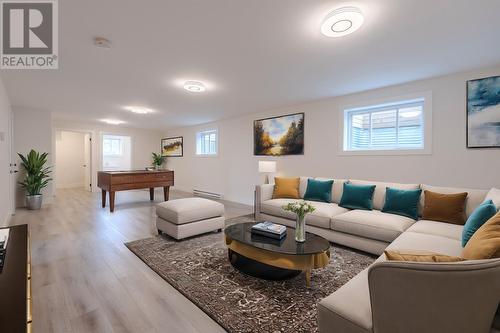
x: 272, y: 259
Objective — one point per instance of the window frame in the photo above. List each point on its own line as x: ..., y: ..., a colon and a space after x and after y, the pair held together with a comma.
x: 120, y: 141
x: 382, y: 104
x: 100, y: 152
x: 203, y: 131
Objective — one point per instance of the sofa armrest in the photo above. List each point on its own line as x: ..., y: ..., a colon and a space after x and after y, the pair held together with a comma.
x: 434, y: 297
x: 262, y: 193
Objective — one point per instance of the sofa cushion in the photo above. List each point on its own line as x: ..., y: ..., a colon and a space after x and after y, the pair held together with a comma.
x: 474, y: 197
x: 337, y: 188
x: 187, y: 210
x: 481, y: 214
x: 419, y: 256
x: 436, y: 228
x: 372, y: 224
x: 319, y: 190
x: 302, y: 185
x: 350, y: 303
x: 357, y: 196
x: 425, y: 242
x: 448, y: 208
x: 286, y: 188
x: 485, y: 243
x: 379, y: 194
x: 402, y: 202
x: 321, y: 217
x: 494, y: 195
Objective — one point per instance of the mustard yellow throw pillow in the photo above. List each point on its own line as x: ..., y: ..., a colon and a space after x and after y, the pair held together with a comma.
x: 286, y: 188
x: 419, y: 256
x: 485, y: 242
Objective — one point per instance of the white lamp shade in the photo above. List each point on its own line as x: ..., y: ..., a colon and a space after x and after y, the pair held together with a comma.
x: 267, y: 166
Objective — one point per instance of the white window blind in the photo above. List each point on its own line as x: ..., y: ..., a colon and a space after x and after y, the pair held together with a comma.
x: 112, y: 146
x: 395, y: 126
x: 206, y: 142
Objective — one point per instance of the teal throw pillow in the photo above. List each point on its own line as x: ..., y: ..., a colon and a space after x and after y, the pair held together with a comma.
x: 479, y: 216
x: 319, y: 190
x: 357, y: 196
x: 402, y: 202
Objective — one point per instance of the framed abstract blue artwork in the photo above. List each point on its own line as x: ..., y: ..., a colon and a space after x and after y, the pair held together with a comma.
x: 483, y: 113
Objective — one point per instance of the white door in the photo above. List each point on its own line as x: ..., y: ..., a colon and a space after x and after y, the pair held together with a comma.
x: 13, y: 165
x: 87, y: 169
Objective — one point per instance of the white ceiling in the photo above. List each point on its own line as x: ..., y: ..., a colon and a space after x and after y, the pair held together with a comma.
x: 253, y: 55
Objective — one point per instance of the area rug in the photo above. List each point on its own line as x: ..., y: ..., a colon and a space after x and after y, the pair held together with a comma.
x: 199, y: 268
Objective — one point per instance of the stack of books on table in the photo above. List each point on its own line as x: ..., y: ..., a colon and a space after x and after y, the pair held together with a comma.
x: 269, y: 229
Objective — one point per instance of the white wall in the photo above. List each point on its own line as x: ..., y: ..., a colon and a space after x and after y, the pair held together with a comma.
x: 70, y: 158
x: 5, y: 193
x: 234, y: 172
x: 144, y: 142
x: 32, y: 130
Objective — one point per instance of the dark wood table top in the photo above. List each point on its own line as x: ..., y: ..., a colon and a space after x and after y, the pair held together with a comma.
x: 132, y: 172
x: 242, y: 233
x: 13, y: 279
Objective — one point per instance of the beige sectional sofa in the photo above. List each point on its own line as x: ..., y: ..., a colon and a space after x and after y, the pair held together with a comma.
x: 398, y: 296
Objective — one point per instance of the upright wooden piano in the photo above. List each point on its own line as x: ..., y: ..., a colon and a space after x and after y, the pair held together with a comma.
x: 112, y: 181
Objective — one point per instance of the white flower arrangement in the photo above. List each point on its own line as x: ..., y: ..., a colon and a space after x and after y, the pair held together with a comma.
x: 301, y: 208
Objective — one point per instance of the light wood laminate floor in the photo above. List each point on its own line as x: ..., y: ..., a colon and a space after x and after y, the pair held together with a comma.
x: 85, y: 280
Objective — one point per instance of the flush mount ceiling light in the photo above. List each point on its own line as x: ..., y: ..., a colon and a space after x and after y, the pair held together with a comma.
x: 342, y: 21
x: 113, y: 121
x: 102, y: 42
x: 194, y: 86
x: 138, y: 109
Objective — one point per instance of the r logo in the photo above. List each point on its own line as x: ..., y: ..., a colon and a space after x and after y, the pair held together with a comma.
x: 27, y: 28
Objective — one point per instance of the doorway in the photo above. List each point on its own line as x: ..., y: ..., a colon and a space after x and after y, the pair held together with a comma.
x: 13, y: 165
x: 73, y: 164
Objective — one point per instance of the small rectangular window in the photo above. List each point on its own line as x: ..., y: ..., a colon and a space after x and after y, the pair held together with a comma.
x: 394, y: 126
x: 112, y: 146
x: 206, y: 142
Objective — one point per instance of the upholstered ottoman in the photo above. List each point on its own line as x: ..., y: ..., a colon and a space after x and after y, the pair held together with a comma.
x: 188, y: 217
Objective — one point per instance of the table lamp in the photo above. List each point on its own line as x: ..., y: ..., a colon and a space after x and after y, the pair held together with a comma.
x: 267, y: 167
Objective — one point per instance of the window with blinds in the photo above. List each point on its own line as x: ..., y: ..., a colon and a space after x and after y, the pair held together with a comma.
x: 206, y: 142
x: 395, y: 126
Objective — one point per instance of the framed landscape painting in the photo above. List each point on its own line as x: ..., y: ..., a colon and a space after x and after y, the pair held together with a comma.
x: 278, y: 136
x: 172, y: 147
x: 483, y: 113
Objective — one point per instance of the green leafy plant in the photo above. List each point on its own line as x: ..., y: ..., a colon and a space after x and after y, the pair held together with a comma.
x: 301, y: 208
x: 37, y: 174
x: 158, y: 159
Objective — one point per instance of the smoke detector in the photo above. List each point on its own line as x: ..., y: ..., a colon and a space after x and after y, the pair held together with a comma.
x: 102, y: 42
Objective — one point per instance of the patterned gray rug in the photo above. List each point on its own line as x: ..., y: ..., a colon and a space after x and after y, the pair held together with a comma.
x: 199, y: 268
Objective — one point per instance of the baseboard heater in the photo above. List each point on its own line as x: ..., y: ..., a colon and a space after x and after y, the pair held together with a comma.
x: 205, y: 194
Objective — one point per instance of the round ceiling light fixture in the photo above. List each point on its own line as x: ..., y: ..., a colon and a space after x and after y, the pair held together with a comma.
x: 138, y: 109
x: 342, y: 21
x: 113, y: 121
x: 102, y: 42
x: 194, y: 86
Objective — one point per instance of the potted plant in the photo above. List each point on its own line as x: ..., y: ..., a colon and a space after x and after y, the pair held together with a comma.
x: 158, y: 161
x: 301, y: 209
x: 37, y: 177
